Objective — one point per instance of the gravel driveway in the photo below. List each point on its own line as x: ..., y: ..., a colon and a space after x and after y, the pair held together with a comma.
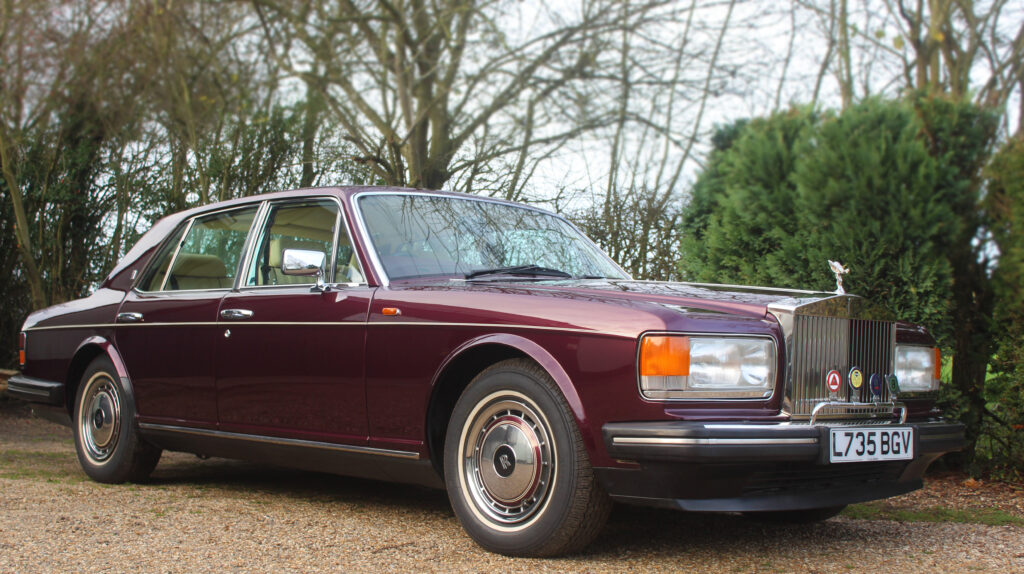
x: 223, y: 516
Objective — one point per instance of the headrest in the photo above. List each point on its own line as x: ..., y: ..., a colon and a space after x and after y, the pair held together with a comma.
x: 196, y: 265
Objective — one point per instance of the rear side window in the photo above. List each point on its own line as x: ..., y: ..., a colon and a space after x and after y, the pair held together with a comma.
x: 208, y: 255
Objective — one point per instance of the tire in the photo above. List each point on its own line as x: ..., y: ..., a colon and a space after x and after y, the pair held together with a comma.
x: 106, y: 438
x: 807, y: 516
x: 517, y: 472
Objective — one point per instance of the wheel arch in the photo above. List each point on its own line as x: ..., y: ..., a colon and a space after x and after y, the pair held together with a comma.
x: 86, y: 352
x: 466, y: 362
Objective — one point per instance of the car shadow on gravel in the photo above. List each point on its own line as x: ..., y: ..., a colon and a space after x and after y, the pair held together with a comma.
x: 247, y: 478
x: 652, y: 534
x: 631, y: 531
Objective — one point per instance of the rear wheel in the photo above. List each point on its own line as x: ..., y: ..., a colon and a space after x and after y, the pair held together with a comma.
x: 517, y: 473
x: 106, y: 439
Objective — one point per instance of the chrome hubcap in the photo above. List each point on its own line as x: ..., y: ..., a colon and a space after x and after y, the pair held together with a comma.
x: 508, y: 460
x: 99, y: 417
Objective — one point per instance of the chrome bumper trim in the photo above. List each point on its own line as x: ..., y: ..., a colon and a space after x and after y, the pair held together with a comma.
x: 710, y: 441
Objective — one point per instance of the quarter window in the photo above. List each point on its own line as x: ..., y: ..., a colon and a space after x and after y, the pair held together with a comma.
x: 153, y: 279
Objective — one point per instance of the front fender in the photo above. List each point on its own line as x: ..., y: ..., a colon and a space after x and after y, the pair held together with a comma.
x: 538, y: 354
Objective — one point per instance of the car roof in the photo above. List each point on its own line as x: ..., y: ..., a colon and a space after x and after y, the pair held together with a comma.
x: 345, y: 192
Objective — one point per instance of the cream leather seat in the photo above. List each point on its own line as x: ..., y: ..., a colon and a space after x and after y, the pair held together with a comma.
x: 195, y: 271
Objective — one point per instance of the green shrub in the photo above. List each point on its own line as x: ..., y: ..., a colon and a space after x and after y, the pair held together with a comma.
x: 797, y: 189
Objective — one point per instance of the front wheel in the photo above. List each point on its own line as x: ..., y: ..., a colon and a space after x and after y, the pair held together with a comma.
x: 106, y: 439
x: 517, y: 473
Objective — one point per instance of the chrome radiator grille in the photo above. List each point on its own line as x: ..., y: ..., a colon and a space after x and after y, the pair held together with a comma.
x: 821, y: 344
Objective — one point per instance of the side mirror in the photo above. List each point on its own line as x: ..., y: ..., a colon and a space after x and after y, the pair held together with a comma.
x: 303, y: 263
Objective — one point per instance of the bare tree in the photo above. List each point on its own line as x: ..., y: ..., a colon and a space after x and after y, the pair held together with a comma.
x: 666, y: 95
x: 417, y: 85
x: 965, y: 48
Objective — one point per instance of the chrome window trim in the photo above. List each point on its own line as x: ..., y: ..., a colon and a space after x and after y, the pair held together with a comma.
x: 334, y: 242
x: 250, y: 240
x: 296, y: 286
x: 151, y: 294
x: 281, y: 441
x: 703, y: 399
x: 371, y: 249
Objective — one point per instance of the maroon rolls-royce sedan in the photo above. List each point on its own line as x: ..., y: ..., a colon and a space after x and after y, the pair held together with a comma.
x: 487, y: 348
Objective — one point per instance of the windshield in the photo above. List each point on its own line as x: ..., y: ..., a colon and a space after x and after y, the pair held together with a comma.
x: 423, y: 235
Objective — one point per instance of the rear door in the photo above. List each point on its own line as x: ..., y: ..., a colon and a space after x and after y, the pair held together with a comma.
x: 166, y: 327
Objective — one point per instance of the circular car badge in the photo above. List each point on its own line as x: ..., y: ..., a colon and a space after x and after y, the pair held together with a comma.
x: 834, y: 380
x: 894, y: 385
x: 875, y: 384
x: 504, y: 461
x: 856, y: 378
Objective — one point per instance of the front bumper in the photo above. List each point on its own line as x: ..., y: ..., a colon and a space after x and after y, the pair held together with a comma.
x: 756, y: 467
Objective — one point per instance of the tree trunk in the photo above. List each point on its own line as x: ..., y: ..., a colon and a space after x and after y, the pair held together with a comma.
x: 32, y: 275
x: 310, y: 127
x: 845, y: 71
x: 973, y: 300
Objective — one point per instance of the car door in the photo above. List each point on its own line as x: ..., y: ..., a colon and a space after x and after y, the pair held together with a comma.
x: 166, y: 328
x: 290, y: 356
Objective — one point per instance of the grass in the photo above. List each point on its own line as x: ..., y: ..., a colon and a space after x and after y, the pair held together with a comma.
x: 48, y: 466
x: 987, y: 516
x: 15, y: 455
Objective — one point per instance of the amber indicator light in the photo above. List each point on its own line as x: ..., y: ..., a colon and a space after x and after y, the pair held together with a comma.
x: 391, y: 311
x: 938, y: 363
x: 665, y: 356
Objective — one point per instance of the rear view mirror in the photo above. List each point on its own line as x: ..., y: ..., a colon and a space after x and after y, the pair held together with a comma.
x: 303, y: 263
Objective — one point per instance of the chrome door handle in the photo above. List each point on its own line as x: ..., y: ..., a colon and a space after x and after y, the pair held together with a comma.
x: 129, y: 317
x: 236, y: 314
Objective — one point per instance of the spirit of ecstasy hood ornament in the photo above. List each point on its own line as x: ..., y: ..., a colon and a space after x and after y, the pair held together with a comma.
x: 839, y: 270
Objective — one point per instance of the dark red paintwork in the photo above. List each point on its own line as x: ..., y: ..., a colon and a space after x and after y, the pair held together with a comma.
x: 331, y: 367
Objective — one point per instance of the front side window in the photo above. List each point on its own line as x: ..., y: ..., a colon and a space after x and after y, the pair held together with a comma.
x: 309, y: 226
x: 207, y: 257
x: 424, y: 235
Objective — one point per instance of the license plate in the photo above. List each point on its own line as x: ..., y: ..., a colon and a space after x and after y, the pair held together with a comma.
x: 869, y: 444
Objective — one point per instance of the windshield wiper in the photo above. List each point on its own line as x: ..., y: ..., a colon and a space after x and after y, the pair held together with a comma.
x: 535, y: 270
